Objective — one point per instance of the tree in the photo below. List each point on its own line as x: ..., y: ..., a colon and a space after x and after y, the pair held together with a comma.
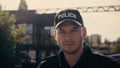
x: 10, y: 37
x: 117, y: 44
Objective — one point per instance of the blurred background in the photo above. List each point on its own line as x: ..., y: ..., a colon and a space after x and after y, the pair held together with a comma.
x: 26, y: 29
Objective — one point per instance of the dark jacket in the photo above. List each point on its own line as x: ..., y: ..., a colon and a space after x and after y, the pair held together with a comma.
x: 87, y: 60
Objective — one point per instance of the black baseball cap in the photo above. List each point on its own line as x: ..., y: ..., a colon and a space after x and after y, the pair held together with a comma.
x: 68, y: 14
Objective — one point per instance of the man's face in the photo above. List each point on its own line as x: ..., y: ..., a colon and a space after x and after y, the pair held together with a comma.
x: 69, y: 38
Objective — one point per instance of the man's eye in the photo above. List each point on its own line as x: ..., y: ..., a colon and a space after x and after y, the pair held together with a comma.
x: 75, y: 30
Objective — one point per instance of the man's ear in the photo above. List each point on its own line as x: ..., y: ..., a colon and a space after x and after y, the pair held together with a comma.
x: 84, y: 32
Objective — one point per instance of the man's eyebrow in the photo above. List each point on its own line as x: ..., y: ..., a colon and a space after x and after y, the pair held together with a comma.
x: 76, y: 27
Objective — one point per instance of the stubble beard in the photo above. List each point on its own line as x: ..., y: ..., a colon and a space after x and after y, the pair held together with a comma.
x: 71, y: 51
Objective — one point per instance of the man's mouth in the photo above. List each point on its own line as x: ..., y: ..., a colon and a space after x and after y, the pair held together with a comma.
x: 69, y: 44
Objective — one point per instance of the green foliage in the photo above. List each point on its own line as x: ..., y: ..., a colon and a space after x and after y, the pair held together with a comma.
x: 115, y: 47
x: 117, y: 44
x: 10, y: 37
x: 19, y: 34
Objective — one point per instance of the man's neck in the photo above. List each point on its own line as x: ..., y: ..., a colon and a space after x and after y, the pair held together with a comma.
x: 72, y: 59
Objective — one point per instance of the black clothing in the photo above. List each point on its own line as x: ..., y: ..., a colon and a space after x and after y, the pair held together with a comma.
x: 87, y: 60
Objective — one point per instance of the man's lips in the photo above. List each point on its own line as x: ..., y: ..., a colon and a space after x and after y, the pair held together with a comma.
x: 69, y: 44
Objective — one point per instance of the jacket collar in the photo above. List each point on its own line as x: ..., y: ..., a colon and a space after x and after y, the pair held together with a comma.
x: 86, y: 54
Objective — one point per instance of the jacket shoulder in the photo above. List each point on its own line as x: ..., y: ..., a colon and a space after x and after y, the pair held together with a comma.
x: 103, y: 59
x: 48, y: 62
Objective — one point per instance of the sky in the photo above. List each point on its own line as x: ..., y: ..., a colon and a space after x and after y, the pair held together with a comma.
x: 107, y: 24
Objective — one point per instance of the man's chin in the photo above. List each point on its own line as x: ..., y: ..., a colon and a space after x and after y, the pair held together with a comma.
x: 70, y: 51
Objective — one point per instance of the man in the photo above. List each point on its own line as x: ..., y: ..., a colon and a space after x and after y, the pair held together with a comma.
x: 74, y: 52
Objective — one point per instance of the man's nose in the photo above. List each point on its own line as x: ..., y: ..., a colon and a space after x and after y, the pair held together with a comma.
x: 68, y: 35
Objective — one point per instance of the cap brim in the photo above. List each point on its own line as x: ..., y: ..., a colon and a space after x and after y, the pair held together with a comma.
x: 68, y: 20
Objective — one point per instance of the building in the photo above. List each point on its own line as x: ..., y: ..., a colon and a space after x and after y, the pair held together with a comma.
x: 94, y: 39
x: 40, y: 42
